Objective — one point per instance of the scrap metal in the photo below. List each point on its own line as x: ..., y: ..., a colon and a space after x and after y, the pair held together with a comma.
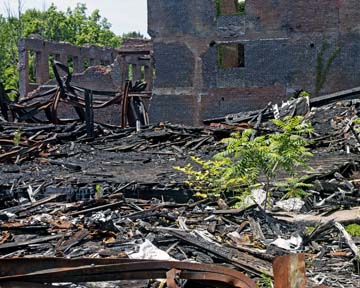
x: 59, y: 270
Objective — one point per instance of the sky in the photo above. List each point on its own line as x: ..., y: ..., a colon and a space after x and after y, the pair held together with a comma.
x: 124, y: 15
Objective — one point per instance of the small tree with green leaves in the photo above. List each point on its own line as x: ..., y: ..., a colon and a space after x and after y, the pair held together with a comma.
x: 266, y: 281
x: 17, y: 137
x: 356, y: 124
x: 246, y: 161
x: 264, y: 156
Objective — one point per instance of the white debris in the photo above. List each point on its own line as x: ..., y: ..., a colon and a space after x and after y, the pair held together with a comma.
x: 7, y: 215
x: 149, y: 251
x: 294, y: 243
x: 289, y: 205
x: 258, y: 196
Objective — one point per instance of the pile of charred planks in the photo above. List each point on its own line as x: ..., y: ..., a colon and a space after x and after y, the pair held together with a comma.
x: 111, y: 207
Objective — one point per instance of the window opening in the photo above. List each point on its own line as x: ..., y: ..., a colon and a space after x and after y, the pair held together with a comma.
x: 70, y: 63
x: 87, y: 63
x: 231, y: 56
x: 32, y: 66
x: 130, y: 69
x: 52, y: 58
x: 230, y: 7
x: 142, y: 73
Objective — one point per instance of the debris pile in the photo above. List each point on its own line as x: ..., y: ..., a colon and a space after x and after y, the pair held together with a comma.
x: 48, y: 103
x: 113, y: 203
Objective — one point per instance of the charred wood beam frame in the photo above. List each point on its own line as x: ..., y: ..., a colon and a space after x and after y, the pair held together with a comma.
x: 133, y: 108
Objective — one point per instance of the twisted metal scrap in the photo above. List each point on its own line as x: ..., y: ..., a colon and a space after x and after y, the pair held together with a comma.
x: 59, y: 270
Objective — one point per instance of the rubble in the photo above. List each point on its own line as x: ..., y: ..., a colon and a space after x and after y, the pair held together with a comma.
x: 102, y: 200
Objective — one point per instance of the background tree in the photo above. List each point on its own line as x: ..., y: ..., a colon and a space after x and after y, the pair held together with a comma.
x: 132, y: 35
x: 75, y: 26
x: 8, y: 51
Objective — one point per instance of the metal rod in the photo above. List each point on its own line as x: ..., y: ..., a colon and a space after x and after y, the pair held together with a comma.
x: 89, y: 114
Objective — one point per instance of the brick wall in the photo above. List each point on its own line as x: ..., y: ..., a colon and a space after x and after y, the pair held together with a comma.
x: 282, y: 41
